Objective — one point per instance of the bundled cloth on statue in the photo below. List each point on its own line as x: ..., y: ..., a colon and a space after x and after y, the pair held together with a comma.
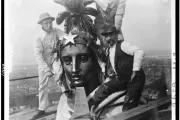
x: 76, y: 16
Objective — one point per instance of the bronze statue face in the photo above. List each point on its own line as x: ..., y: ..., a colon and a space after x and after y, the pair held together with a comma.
x: 77, y: 63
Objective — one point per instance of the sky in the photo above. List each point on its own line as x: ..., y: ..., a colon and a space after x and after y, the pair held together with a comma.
x: 146, y: 23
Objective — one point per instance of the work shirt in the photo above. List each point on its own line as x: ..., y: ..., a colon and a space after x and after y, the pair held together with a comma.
x: 45, y: 44
x: 114, y: 10
x: 130, y: 50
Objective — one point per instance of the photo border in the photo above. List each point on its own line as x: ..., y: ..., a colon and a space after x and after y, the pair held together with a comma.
x: 4, y: 59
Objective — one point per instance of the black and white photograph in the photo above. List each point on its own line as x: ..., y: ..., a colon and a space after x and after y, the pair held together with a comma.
x: 90, y: 60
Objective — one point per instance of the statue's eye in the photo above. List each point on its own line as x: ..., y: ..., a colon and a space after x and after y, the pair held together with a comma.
x: 83, y: 58
x: 67, y: 60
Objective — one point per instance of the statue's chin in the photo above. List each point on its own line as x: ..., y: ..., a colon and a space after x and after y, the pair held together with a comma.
x: 78, y: 83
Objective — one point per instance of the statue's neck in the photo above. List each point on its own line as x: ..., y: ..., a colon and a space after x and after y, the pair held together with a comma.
x: 92, y: 84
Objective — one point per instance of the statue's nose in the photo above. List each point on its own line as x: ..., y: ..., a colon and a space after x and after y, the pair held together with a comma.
x: 75, y: 68
x: 74, y: 65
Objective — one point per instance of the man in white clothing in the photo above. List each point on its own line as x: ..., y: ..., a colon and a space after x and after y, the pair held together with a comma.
x: 46, y: 57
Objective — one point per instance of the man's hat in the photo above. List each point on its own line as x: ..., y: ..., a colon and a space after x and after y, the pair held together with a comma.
x: 109, y: 29
x: 45, y: 16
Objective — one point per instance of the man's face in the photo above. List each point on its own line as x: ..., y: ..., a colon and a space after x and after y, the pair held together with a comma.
x: 47, y: 25
x: 111, y: 38
x: 77, y: 63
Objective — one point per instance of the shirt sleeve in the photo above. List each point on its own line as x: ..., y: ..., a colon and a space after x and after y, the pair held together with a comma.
x: 102, y: 4
x: 39, y: 57
x: 120, y: 13
x: 134, y: 51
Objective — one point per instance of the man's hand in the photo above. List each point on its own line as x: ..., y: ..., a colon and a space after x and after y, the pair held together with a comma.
x: 120, y: 37
x: 50, y: 74
x: 59, y: 82
x: 134, y: 75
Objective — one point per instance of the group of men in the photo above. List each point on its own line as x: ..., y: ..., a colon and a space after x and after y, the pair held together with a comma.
x: 122, y: 67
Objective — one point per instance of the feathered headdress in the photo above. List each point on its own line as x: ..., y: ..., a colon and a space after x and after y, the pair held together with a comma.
x: 79, y: 26
x: 76, y: 16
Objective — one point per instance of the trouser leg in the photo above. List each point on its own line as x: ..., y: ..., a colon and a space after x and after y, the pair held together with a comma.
x: 134, y: 92
x: 105, y: 90
x: 43, y: 95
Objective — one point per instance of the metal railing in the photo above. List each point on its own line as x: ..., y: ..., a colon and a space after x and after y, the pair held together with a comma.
x: 16, y: 79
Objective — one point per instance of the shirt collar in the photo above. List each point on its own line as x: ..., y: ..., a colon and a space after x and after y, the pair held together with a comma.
x: 113, y: 46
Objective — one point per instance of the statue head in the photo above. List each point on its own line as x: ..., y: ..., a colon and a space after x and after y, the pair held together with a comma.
x: 78, y: 57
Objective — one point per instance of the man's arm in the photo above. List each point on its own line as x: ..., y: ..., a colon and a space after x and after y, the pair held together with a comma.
x: 101, y: 4
x: 39, y: 58
x: 120, y: 13
x: 136, y: 52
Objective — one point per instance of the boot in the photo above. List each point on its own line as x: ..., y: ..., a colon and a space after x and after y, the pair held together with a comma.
x: 129, y: 104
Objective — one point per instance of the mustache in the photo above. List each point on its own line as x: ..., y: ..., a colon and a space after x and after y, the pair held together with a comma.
x: 110, y: 41
x: 49, y: 27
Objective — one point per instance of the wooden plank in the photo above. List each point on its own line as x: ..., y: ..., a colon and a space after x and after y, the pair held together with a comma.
x: 82, y: 108
x: 165, y: 114
x: 81, y: 105
x: 49, y: 117
x: 141, y: 109
x: 29, y: 113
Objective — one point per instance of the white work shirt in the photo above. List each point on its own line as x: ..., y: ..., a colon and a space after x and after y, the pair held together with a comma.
x: 44, y: 46
x: 112, y: 56
x: 130, y: 50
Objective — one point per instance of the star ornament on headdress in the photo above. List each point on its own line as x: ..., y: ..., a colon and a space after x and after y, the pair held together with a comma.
x: 69, y: 38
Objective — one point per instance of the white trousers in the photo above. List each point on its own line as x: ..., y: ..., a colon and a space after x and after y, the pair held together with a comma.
x: 44, y: 83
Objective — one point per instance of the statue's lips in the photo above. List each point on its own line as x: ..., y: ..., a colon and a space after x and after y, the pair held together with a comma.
x: 77, y: 80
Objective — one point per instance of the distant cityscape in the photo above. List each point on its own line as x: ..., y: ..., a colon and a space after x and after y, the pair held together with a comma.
x: 24, y: 93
